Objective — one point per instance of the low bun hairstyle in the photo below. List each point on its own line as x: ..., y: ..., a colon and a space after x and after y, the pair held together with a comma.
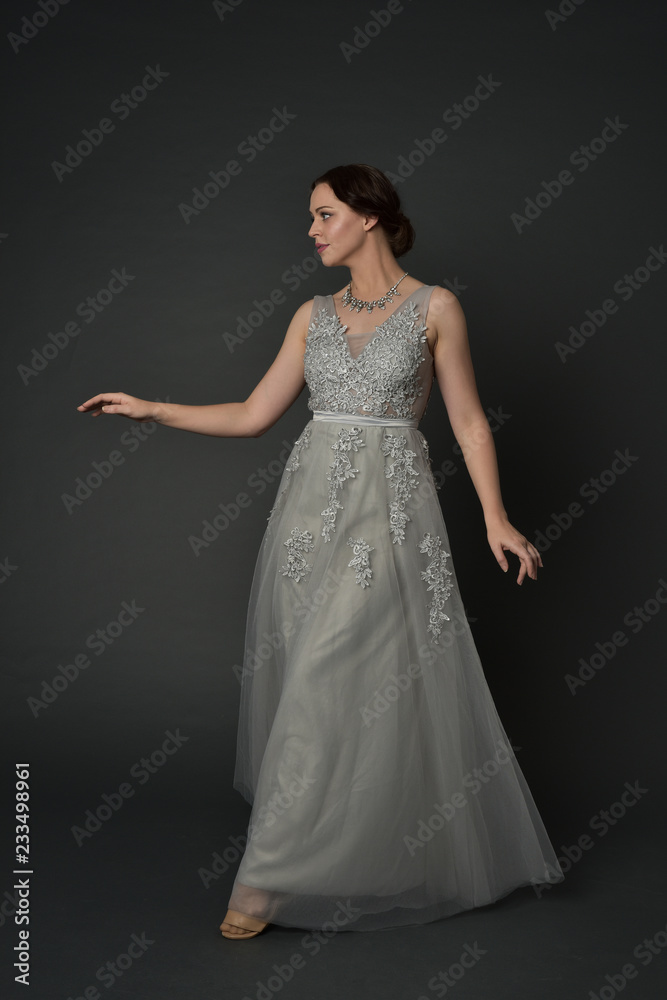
x: 369, y: 192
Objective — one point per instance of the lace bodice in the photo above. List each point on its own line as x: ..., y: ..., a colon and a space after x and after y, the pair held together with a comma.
x: 387, y: 372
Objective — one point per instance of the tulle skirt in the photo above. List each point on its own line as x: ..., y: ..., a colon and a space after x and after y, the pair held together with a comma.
x: 383, y: 786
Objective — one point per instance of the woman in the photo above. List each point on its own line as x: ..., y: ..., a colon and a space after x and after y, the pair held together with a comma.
x: 383, y: 785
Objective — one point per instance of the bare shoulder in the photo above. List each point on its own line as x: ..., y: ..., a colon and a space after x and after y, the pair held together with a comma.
x: 444, y: 302
x: 445, y: 313
x: 298, y: 327
x: 305, y: 309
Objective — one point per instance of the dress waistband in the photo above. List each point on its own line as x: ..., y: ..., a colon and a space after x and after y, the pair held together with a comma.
x: 361, y: 419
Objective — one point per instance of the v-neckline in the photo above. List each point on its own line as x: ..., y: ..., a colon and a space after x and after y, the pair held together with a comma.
x: 378, y: 328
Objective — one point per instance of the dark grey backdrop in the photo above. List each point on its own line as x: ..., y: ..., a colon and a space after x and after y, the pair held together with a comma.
x: 562, y: 282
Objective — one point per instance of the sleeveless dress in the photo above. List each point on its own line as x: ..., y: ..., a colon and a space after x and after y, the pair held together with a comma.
x: 384, y: 788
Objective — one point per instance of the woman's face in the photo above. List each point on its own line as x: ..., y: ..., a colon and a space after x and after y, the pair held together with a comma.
x: 338, y: 231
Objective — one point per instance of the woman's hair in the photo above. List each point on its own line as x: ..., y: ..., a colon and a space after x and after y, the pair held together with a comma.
x: 367, y: 191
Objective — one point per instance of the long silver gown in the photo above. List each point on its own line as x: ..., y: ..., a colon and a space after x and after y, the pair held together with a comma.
x: 384, y: 788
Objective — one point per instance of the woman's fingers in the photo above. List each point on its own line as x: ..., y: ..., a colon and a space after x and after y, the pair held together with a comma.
x: 530, y: 559
x: 513, y: 541
x: 95, y: 403
x: 118, y: 402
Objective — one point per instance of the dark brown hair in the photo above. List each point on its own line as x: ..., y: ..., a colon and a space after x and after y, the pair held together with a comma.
x: 369, y: 192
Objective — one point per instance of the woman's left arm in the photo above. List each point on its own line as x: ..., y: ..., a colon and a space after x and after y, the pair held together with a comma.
x: 456, y: 379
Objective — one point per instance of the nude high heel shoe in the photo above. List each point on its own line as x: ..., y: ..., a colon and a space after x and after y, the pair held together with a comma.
x: 251, y: 926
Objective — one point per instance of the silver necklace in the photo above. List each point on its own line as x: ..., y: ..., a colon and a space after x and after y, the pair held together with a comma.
x: 354, y: 303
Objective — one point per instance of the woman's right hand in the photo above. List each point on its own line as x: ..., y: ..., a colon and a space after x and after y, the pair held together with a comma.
x: 119, y: 402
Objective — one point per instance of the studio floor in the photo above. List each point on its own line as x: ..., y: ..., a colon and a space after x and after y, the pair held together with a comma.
x: 133, y: 911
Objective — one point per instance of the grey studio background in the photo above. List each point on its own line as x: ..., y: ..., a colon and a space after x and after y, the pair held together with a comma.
x: 527, y: 145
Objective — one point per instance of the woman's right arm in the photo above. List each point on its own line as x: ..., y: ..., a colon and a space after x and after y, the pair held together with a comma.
x: 264, y: 406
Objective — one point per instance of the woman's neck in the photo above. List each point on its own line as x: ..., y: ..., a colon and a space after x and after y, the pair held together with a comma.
x: 369, y: 284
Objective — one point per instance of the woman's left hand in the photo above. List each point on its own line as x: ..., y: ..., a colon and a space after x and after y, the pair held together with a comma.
x: 502, y: 536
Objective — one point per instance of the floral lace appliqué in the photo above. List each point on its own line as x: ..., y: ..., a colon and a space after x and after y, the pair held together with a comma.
x: 292, y: 465
x: 435, y: 575
x: 298, y: 543
x: 403, y: 476
x: 427, y: 459
x: 382, y: 381
x: 360, y: 562
x: 349, y: 439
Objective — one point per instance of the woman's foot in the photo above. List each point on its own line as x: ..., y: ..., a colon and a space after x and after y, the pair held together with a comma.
x: 241, y: 925
x: 242, y: 920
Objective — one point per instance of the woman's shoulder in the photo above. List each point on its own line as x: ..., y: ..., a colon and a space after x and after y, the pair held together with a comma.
x: 306, y: 313
x: 444, y: 303
x: 443, y: 295
x: 309, y: 305
x: 445, y: 315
